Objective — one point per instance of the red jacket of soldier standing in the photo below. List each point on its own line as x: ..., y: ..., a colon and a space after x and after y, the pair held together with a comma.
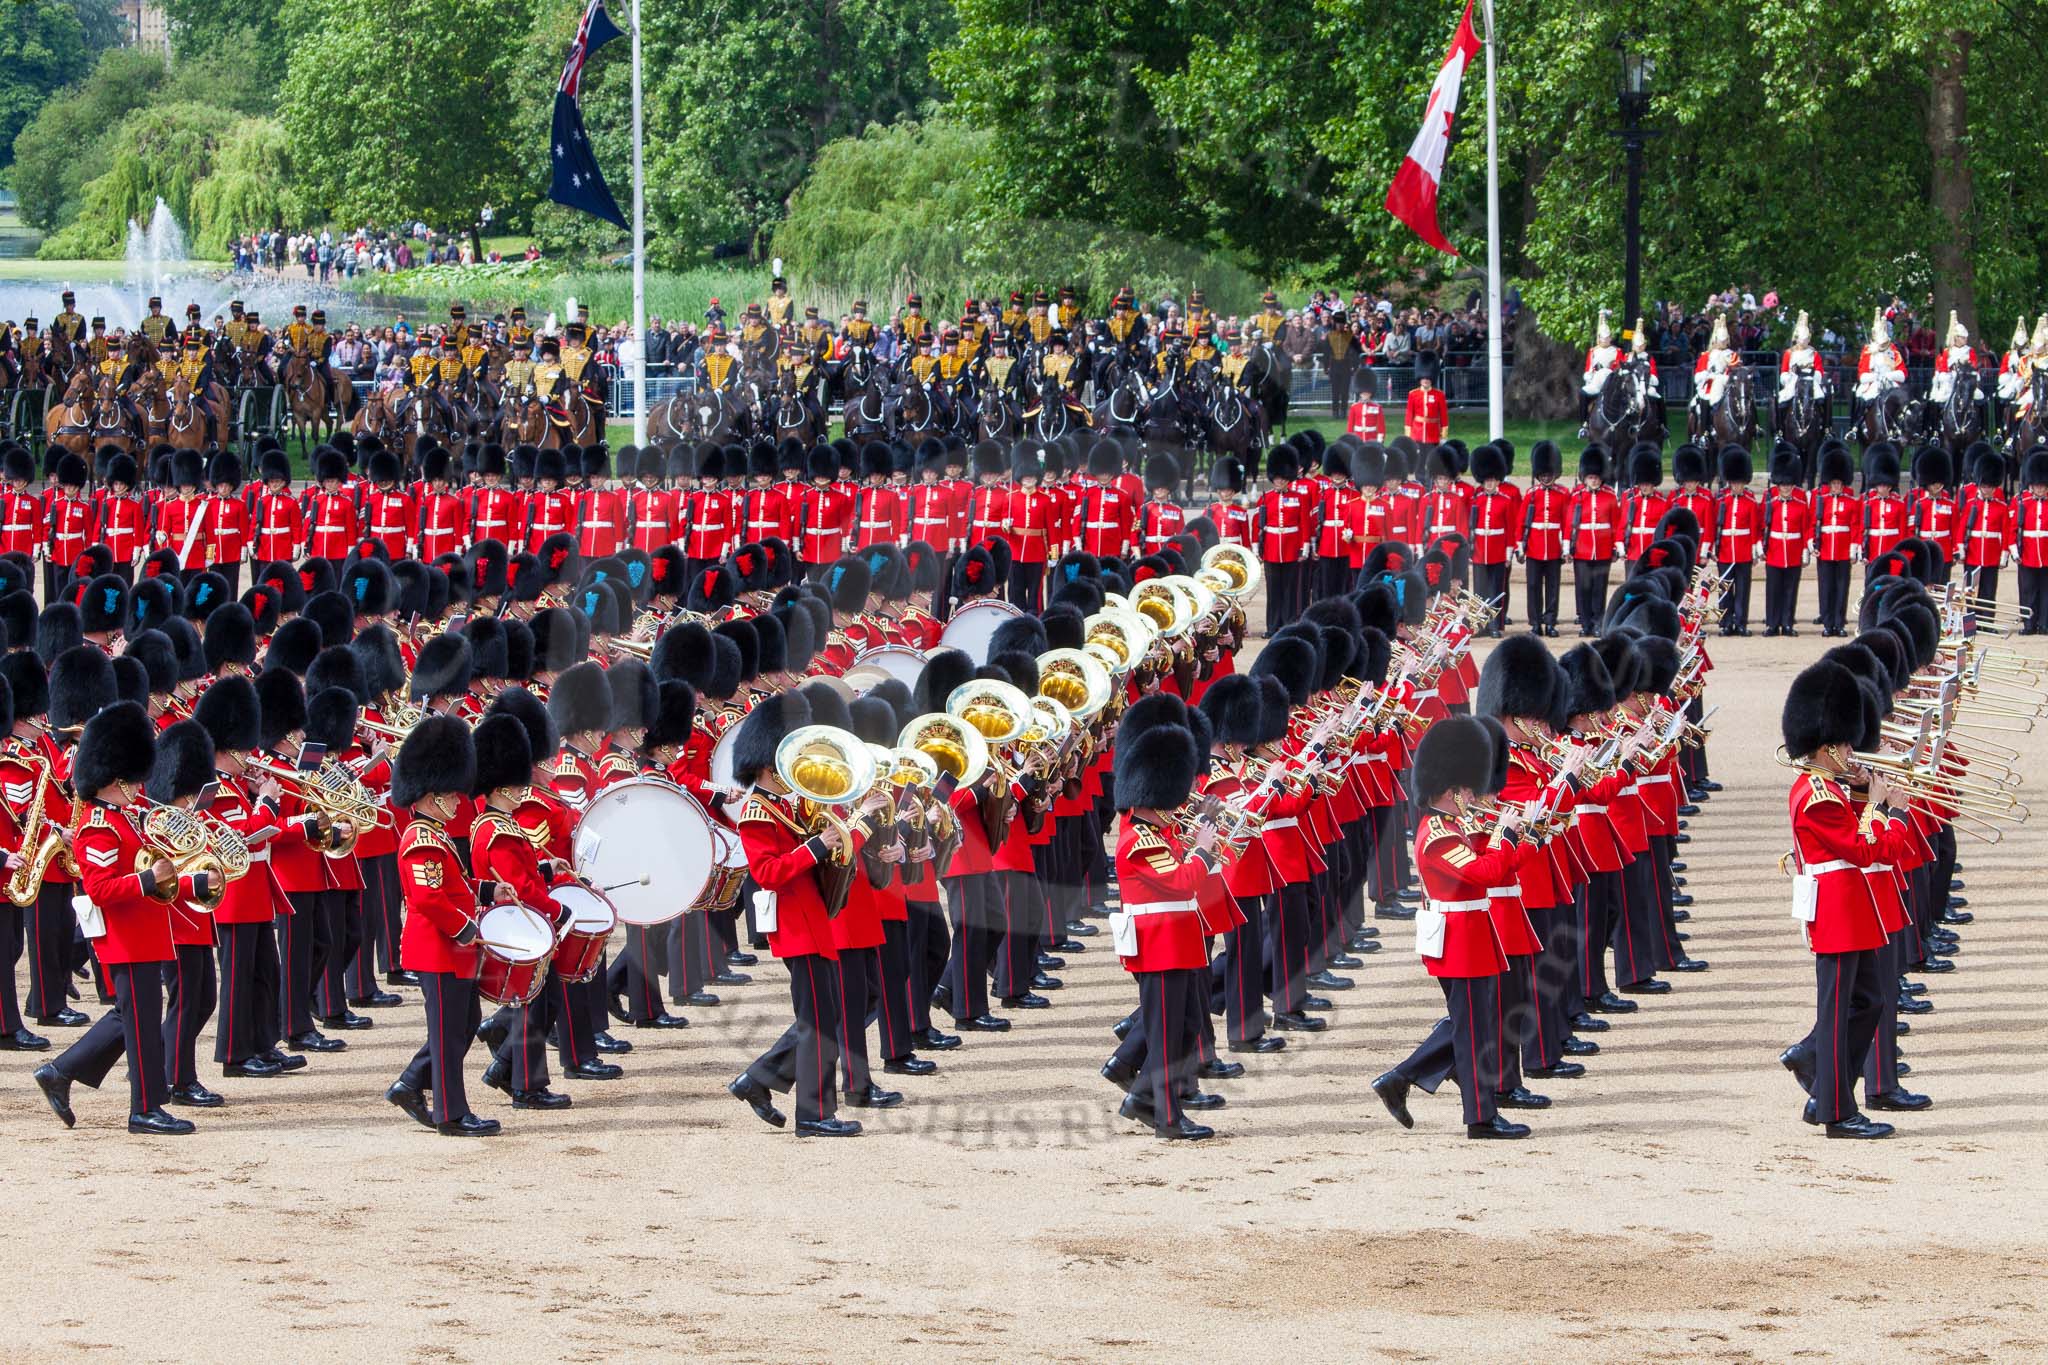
x: 1987, y: 530
x: 1837, y: 526
x: 1545, y: 517
x: 1282, y: 523
x: 1788, y: 528
x: 443, y: 526
x: 1739, y: 527
x: 1106, y: 519
x: 600, y: 522
x: 1887, y: 520
x: 1641, y: 510
x: 73, y: 523
x: 1593, y: 523
x: 1493, y: 526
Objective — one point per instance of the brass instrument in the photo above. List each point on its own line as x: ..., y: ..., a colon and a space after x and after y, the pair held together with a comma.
x: 1238, y: 564
x: 1968, y: 807
x: 1076, y: 680
x: 828, y: 770
x: 191, y: 844
x: 1121, y: 632
x: 998, y: 710
x: 27, y: 880
x: 952, y: 745
x: 333, y: 792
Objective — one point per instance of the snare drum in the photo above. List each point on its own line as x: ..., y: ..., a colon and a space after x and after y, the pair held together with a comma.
x: 647, y: 846
x: 591, y: 921
x: 728, y: 876
x: 517, y: 943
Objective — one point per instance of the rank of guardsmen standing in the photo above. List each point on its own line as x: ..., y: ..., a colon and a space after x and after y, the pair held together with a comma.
x: 922, y: 723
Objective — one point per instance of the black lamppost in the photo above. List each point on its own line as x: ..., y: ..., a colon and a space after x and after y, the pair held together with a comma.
x: 1638, y: 74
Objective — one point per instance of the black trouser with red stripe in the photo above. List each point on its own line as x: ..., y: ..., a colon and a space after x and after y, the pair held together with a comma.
x: 1832, y: 577
x: 891, y: 991
x: 383, y: 926
x: 859, y: 973
x: 1848, y: 995
x: 972, y: 905
x: 1022, y: 905
x: 1539, y: 594
x: 804, y: 1058
x: 1599, y: 907
x: 561, y: 1008
x: 453, y: 1012
x: 1553, y: 979
x: 1464, y: 1045
x: 303, y: 944
x: 636, y: 976
x: 248, y: 985
x: 1638, y: 930
x: 49, y: 924
x: 1237, y: 980
x: 1735, y: 597
x: 135, y: 1027
x: 1490, y: 581
x: 1516, y: 1009
x: 1288, y: 933
x: 192, y: 992
x: 343, y: 914
x: 1781, y: 597
x: 11, y: 917
x: 927, y: 948
x: 1880, y: 1065
x: 1168, y: 1025
x: 1283, y: 592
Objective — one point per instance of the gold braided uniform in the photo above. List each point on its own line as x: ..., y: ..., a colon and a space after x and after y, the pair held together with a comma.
x: 474, y: 355
x: 574, y: 359
x: 193, y: 367
x: 816, y: 337
x: 1069, y: 310
x: 922, y: 366
x: 861, y: 331
x: 777, y: 308
x: 299, y: 336
x: 1121, y: 325
x: 1270, y: 323
x: 236, y: 331
x: 999, y: 367
x: 1057, y: 367
x: 546, y: 375
x: 461, y: 334
x: 450, y: 369
x: 1013, y: 318
x: 1341, y: 341
x: 1040, y: 325
x: 420, y: 367
x: 168, y: 367
x: 518, y: 374
x: 1199, y: 316
x: 1201, y: 350
x: 916, y: 326
x: 521, y: 335
x: 950, y: 366
x: 1233, y: 367
x: 68, y: 325
x: 718, y: 369
x: 970, y: 346
x: 156, y: 326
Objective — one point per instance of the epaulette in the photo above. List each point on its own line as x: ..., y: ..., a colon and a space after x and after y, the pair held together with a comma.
x: 420, y: 834
x: 754, y: 808
x: 617, y: 763
x: 99, y: 818
x: 1149, y: 838
x: 497, y: 821
x: 1820, y: 789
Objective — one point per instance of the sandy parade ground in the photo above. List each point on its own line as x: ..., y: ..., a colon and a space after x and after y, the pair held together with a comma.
x: 1671, y: 1206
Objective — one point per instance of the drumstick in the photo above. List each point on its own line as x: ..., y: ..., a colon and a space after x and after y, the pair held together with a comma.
x: 642, y: 880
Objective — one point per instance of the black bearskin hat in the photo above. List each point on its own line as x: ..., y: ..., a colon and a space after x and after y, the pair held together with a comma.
x: 81, y: 684
x: 632, y: 693
x: 443, y: 669
x: 230, y: 638
x: 1519, y: 679
x: 848, y: 581
x: 1455, y: 752
x: 542, y: 739
x: 504, y: 755
x: 119, y: 745
x: 581, y: 700
x: 1233, y: 708
x: 231, y: 714
x: 1588, y: 689
x: 763, y: 731
x: 944, y: 670
x: 1156, y: 768
x: 1294, y: 662
x: 675, y: 716
x: 281, y: 704
x: 1824, y: 706
x: 184, y: 763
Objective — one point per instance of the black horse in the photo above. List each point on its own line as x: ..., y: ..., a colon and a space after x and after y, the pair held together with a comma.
x: 1804, y: 419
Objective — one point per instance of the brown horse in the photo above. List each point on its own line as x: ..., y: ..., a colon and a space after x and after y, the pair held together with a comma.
x: 391, y: 416
x: 310, y: 391
x: 525, y: 422
x: 67, y: 421
x: 179, y: 419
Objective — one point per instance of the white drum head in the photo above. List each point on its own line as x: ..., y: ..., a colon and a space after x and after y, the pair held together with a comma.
x: 647, y: 846
x: 516, y: 933
x: 588, y: 910
x: 973, y: 627
x: 721, y: 757
x: 900, y: 662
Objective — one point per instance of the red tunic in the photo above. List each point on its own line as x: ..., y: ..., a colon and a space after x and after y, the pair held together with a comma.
x: 111, y: 858
x: 1788, y: 529
x: 827, y: 515
x: 652, y: 512
x: 1159, y: 881
x: 1543, y: 522
x: 74, y: 524
x: 547, y: 514
x: 497, y: 514
x: 1834, y: 847
x: 880, y: 518
x: 782, y: 856
x: 1106, y: 521
x: 1838, y: 526
x: 333, y: 527
x: 1593, y: 524
x: 440, y: 903
x: 1740, y: 529
x: 600, y: 522
x: 1458, y: 875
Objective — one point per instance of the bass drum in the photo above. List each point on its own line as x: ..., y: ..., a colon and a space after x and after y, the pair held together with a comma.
x: 647, y: 846
x: 871, y: 666
x: 973, y: 627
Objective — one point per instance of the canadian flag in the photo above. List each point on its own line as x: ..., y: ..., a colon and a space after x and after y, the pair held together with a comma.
x: 1412, y: 196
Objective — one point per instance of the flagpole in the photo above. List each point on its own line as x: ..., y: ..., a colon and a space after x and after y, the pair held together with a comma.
x: 1496, y: 404
x: 639, y: 255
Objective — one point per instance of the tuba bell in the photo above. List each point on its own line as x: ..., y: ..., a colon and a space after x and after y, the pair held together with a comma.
x: 954, y: 746
x: 1076, y: 680
x: 1237, y: 564
x: 999, y: 710
x: 828, y: 770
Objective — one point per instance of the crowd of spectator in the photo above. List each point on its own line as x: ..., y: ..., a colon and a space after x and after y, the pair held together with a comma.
x: 326, y: 256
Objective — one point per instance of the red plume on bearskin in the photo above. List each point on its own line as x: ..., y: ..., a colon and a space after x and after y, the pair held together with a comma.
x: 307, y: 578
x: 972, y: 572
x: 745, y: 562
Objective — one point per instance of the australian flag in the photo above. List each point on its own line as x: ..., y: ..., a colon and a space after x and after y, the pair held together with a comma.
x: 577, y: 182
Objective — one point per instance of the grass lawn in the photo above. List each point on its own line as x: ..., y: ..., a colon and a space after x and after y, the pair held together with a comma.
x: 86, y: 272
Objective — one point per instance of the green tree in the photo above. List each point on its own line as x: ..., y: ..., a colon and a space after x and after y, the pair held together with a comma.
x: 397, y: 108
x: 44, y: 46
x: 163, y: 152
x: 261, y: 33
x: 66, y: 144
x: 251, y: 185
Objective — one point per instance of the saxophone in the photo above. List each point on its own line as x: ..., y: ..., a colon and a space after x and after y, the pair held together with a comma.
x: 26, y: 880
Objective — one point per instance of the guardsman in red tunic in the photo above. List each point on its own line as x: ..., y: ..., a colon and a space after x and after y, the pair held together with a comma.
x: 443, y: 907
x: 1493, y: 531
x: 72, y: 525
x: 33, y: 769
x: 1837, y: 536
x: 2030, y: 525
x: 826, y: 516
x: 332, y: 526
x: 1160, y: 519
x: 184, y: 523
x: 1158, y: 932
x: 21, y: 512
x: 931, y: 504
x: 494, y: 508
x: 650, y: 508
x: 600, y: 508
x: 1645, y: 504
x: 443, y: 525
x: 228, y: 521
x: 132, y: 889
x: 1937, y: 512
x: 1428, y: 418
x: 764, y: 512
x: 1106, y: 514
x: 1836, y: 835
x: 879, y: 516
x: 1233, y: 519
x: 1545, y: 514
x: 183, y: 769
x: 549, y: 509
x: 1592, y: 535
x: 277, y: 515
x: 1689, y: 472
x: 1031, y: 518
x: 1738, y: 537
x: 1281, y: 523
x: 784, y: 857
x: 1454, y: 932
x: 123, y: 518
x: 1887, y: 519
x: 1340, y: 498
x: 1788, y: 541
x: 389, y: 513
x: 1986, y: 532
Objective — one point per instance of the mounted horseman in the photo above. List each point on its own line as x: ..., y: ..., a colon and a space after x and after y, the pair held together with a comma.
x: 1264, y: 377
x: 1624, y: 397
x: 852, y: 374
x: 999, y: 405
x: 1055, y: 408
x: 2027, y: 426
x: 1805, y: 410
x: 1881, y: 396
x: 1723, y: 408
x: 1954, y: 411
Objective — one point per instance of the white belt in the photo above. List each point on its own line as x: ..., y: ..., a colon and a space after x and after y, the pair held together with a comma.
x: 1835, y: 865
x: 596, y: 525
x: 1787, y: 535
x: 1878, y: 867
x: 1834, y: 530
x: 1456, y: 907
x: 1654, y: 777
x: 1101, y: 525
x: 1420, y: 696
x: 326, y: 530
x: 1632, y: 789
x: 1488, y: 531
x: 1979, y: 535
x: 1589, y: 810
x: 874, y: 525
x: 1545, y: 525
x: 1288, y: 822
x: 1501, y: 893
x: 1378, y: 758
x: 1158, y: 907
x: 259, y: 855
x: 2031, y: 535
